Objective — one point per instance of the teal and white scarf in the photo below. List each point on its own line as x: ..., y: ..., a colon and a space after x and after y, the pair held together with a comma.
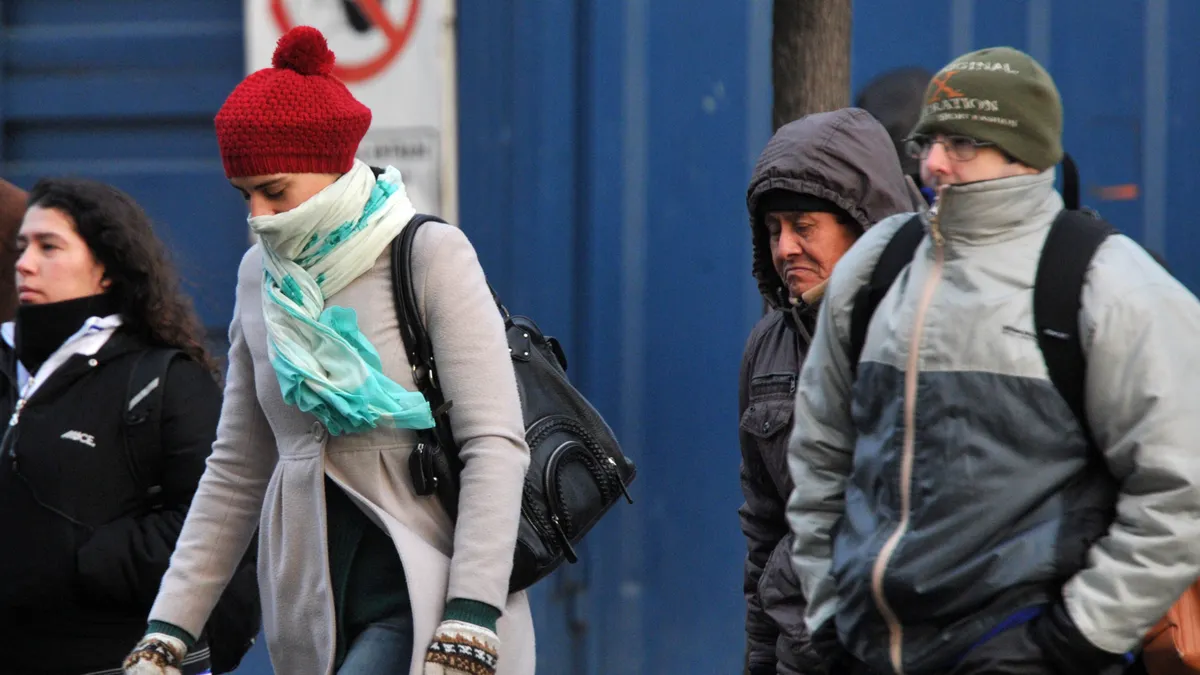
x: 324, y: 363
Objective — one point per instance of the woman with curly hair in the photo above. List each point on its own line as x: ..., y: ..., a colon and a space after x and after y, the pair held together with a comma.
x: 89, y: 515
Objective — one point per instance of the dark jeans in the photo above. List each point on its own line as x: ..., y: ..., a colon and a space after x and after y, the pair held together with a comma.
x: 384, y: 647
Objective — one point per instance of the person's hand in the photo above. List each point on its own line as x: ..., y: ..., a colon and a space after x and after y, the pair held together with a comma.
x: 155, y: 654
x: 461, y: 648
x: 1066, y: 649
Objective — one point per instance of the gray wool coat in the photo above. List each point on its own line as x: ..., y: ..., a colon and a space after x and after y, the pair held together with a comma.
x: 269, y: 461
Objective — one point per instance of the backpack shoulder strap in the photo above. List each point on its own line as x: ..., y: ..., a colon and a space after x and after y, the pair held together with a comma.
x: 1070, y: 176
x: 1072, y: 242
x: 142, y: 417
x: 896, y: 255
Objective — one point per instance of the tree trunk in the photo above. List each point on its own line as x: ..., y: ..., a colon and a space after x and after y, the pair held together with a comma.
x: 810, y: 57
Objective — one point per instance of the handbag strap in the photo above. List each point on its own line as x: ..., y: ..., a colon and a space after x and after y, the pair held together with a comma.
x: 419, y: 348
x: 412, y: 328
x: 440, y: 459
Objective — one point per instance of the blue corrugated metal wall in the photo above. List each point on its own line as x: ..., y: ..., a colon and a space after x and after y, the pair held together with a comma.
x: 605, y: 148
x: 604, y: 152
x: 125, y: 92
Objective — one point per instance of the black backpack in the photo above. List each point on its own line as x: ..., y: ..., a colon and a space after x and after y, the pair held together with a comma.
x: 576, y: 470
x: 1073, y: 239
x: 235, y: 621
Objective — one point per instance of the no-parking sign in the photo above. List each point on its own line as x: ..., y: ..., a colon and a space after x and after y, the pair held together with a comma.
x: 397, y: 57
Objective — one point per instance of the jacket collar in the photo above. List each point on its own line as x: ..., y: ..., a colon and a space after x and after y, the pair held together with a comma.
x: 988, y: 212
x: 118, y: 344
x: 801, y: 315
x: 813, y: 295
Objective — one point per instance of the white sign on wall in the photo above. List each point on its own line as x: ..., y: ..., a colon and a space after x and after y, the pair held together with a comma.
x: 397, y: 58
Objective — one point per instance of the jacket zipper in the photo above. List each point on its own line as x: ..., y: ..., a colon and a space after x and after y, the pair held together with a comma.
x: 7, y: 442
x: 895, y: 629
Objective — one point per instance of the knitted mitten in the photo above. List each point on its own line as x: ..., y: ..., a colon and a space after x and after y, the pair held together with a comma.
x: 156, y: 654
x: 461, y: 648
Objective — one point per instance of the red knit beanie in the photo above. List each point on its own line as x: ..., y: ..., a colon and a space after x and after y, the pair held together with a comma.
x: 293, y: 117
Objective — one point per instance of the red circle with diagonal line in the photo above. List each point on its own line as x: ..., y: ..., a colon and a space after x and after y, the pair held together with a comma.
x: 397, y: 36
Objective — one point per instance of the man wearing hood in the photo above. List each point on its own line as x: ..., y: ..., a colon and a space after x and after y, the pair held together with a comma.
x: 820, y: 182
x: 952, y: 514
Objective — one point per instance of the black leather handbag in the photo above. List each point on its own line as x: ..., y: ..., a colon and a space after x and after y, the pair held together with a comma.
x: 576, y: 470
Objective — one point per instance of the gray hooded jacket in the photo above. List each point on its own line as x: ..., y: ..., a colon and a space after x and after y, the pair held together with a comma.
x: 949, y: 486
x: 846, y: 157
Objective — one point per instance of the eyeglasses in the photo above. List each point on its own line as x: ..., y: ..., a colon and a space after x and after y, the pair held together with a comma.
x: 960, y: 148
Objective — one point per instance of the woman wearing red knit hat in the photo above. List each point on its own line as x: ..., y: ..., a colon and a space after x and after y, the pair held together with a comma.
x: 359, y: 575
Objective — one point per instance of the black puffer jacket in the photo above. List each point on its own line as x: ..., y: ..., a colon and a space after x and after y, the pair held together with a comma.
x: 92, y: 550
x: 848, y: 158
x: 776, y: 637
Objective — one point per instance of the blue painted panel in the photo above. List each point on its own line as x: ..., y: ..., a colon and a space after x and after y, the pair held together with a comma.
x: 1182, y: 241
x: 485, y: 117
x: 651, y: 191
x: 695, y: 243
x: 106, y: 139
x: 129, y: 94
x: 541, y: 241
x: 1001, y: 24
x: 100, y: 12
x: 142, y: 45
x: 611, y: 361
x: 1101, y: 83
x: 894, y: 33
x: 125, y: 92
x: 617, y: 224
x: 518, y: 127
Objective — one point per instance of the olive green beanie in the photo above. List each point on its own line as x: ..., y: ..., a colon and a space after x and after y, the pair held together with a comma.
x: 1000, y: 95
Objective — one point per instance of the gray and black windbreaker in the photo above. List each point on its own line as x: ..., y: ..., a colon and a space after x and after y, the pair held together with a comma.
x: 949, y: 485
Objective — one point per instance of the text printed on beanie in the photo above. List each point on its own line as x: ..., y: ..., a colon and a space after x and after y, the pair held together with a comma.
x: 947, y: 104
x: 1001, y: 96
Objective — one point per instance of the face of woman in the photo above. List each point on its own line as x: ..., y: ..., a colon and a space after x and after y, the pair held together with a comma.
x: 55, y: 264
x: 280, y: 192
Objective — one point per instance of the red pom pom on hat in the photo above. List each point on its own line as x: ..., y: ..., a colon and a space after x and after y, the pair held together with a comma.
x: 304, y: 50
x: 294, y: 117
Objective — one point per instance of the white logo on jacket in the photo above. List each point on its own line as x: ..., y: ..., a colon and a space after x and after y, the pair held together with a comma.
x: 80, y: 437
